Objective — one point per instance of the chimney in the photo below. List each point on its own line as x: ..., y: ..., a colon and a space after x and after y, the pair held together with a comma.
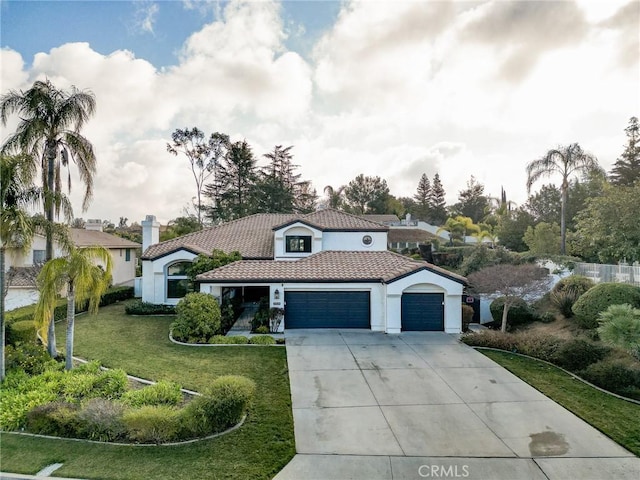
x: 150, y: 232
x: 94, y: 224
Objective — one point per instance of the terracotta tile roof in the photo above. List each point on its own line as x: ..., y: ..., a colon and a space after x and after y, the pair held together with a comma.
x: 327, y: 266
x: 385, y: 218
x: 23, y: 276
x: 252, y: 236
x: 409, y: 235
x: 329, y: 219
x: 87, y: 238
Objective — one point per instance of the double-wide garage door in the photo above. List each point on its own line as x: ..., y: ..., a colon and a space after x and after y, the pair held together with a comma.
x: 423, y: 312
x: 327, y: 310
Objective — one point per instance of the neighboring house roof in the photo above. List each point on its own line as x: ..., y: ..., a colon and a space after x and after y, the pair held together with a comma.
x: 330, y: 220
x: 252, y: 236
x: 327, y: 266
x: 23, y: 277
x: 89, y: 238
x: 387, y: 218
x: 411, y: 235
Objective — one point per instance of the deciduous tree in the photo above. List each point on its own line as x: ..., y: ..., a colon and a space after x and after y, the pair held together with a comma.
x: 510, y: 281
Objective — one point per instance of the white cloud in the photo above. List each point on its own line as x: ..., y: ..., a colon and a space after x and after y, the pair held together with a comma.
x: 145, y: 16
x: 393, y: 89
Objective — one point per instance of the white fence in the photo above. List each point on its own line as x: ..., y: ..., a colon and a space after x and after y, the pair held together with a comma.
x: 609, y: 273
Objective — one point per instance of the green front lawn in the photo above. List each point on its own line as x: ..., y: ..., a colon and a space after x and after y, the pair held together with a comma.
x: 140, y: 346
x: 616, y: 418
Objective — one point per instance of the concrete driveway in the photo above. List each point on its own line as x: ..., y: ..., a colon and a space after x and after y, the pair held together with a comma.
x: 367, y: 405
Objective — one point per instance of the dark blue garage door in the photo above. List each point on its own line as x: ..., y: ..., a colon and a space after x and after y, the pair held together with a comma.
x: 422, y: 311
x: 327, y: 310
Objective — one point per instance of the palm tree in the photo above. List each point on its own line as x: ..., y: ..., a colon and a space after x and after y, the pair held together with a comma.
x: 16, y: 226
x: 566, y: 161
x: 335, y: 196
x: 84, y: 281
x: 49, y: 130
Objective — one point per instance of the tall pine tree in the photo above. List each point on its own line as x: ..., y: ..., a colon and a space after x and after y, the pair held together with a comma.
x: 626, y: 170
x: 422, y: 208
x: 437, y: 202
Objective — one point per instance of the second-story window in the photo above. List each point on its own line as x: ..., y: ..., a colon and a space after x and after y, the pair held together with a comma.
x: 298, y: 244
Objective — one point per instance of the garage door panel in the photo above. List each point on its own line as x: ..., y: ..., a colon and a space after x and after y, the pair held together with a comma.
x: 327, y: 310
x: 422, y: 312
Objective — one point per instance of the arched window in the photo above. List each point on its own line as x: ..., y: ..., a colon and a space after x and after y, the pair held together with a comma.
x: 178, y: 284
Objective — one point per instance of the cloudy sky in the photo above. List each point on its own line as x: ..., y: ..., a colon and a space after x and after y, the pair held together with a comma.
x: 387, y: 88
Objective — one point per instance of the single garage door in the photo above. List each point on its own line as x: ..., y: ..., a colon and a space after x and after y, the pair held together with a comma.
x: 327, y: 310
x: 422, y: 311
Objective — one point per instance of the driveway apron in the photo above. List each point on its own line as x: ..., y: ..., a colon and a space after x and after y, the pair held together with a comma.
x: 368, y: 405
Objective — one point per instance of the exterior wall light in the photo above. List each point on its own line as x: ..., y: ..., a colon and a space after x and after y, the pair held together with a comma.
x: 276, y: 294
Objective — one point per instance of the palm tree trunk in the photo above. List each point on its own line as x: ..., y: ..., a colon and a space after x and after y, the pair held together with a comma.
x: 50, y: 208
x: 2, y: 288
x: 71, y: 307
x: 563, y: 221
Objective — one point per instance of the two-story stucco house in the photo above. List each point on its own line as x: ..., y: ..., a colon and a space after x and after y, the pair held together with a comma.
x: 326, y: 269
x: 24, y: 267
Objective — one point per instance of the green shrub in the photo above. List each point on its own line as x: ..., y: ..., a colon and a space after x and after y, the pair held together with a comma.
x: 576, y: 355
x: 54, y: 418
x: 600, y: 297
x: 519, y: 313
x: 467, y: 316
x: 578, y: 283
x: 613, y: 376
x: 547, y: 317
x: 161, y: 393
x: 262, y: 329
x: 15, y: 404
x: 262, y: 340
x: 152, y: 424
x: 78, y: 386
x: 221, y: 406
x: 227, y: 317
x: 110, y: 384
x: 535, y: 345
x: 620, y: 326
x: 198, y: 318
x: 229, y: 340
x: 144, y: 308
x: 567, y: 291
x: 31, y: 358
x: 100, y: 419
x: 261, y: 317
x: 23, y: 331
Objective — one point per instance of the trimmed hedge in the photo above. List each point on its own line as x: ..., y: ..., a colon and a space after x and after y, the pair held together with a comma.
x: 144, y: 308
x: 22, y: 331
x: 198, y: 318
x: 262, y: 340
x: 599, y: 298
x: 152, y: 423
x: 230, y: 340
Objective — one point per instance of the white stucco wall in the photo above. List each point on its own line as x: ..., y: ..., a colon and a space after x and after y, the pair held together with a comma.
x: 279, y: 245
x: 352, y: 241
x: 154, y: 279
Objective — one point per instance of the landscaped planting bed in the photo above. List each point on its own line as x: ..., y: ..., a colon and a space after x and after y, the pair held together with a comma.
x: 90, y: 403
x: 141, y: 347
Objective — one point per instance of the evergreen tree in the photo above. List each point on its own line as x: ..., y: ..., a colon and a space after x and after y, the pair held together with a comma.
x: 422, y: 206
x: 233, y: 193
x: 626, y: 170
x: 472, y: 202
x: 366, y: 195
x: 306, y: 197
x: 437, y: 203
